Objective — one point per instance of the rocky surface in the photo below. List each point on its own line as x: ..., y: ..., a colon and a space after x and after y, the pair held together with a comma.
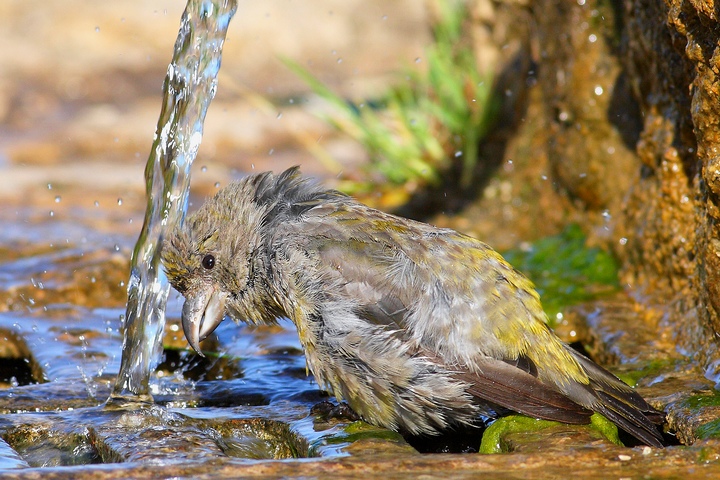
x: 610, y: 121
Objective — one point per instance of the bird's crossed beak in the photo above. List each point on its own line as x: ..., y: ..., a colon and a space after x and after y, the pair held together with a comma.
x: 203, y: 311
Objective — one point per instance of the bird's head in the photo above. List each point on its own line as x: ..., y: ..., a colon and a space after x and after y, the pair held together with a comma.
x: 208, y: 259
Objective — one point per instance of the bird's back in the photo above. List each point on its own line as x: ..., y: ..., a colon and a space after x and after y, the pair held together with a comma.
x: 421, y: 328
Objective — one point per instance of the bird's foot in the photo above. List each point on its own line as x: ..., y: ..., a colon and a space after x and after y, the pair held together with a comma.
x: 327, y: 410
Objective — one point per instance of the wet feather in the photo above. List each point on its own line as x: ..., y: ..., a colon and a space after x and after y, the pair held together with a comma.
x: 420, y: 329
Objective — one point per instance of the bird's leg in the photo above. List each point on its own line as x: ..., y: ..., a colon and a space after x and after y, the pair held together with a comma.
x: 327, y: 410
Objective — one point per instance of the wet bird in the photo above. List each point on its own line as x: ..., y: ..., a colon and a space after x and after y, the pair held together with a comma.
x: 419, y: 329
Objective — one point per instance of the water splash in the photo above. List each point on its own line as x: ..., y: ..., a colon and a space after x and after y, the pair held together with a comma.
x: 189, y: 87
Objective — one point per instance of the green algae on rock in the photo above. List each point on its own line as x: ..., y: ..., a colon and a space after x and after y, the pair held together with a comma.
x: 494, y: 437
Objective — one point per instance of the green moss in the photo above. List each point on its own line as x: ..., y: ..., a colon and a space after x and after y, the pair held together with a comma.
x: 361, y: 431
x: 606, y: 427
x: 493, y: 438
x: 565, y: 270
x: 652, y: 368
x: 702, y: 401
x: 708, y: 430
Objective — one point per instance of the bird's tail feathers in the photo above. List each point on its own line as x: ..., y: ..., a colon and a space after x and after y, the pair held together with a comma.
x: 620, y: 403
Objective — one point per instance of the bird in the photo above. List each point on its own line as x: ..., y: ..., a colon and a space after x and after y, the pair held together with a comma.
x: 419, y: 329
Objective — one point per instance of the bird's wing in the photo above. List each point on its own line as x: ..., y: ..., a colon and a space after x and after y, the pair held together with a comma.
x: 506, y: 385
x: 390, y: 267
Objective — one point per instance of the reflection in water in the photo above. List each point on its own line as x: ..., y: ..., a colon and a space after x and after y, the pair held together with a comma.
x: 189, y: 87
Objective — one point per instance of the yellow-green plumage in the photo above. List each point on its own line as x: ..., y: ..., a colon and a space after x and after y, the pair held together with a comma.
x: 419, y: 329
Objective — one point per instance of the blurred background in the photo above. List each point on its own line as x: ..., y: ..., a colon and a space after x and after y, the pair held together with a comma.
x: 81, y: 87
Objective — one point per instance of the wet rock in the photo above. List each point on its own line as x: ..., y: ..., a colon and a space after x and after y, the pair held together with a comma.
x: 65, y: 276
x: 703, y: 461
x: 628, y: 137
x: 17, y: 365
x: 258, y: 438
x: 9, y: 458
x: 41, y: 446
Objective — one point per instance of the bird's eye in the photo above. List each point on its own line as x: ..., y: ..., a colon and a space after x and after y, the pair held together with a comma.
x: 208, y: 261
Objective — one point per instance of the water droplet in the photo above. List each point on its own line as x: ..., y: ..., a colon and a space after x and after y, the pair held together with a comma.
x: 203, y: 168
x: 418, y: 60
x: 97, y: 29
x: 57, y: 199
x: 279, y: 116
x: 623, y: 241
x: 96, y: 203
x: 339, y: 60
x: 384, y: 17
x: 581, y: 2
x: 49, y: 186
x: 52, y: 214
x: 195, y: 141
x: 117, y: 247
x: 217, y: 184
x: 458, y: 154
x: 598, y: 90
x: 120, y: 201
x: 592, y: 38
x: 272, y: 150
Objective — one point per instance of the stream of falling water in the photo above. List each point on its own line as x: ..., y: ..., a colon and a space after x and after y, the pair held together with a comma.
x: 189, y: 88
